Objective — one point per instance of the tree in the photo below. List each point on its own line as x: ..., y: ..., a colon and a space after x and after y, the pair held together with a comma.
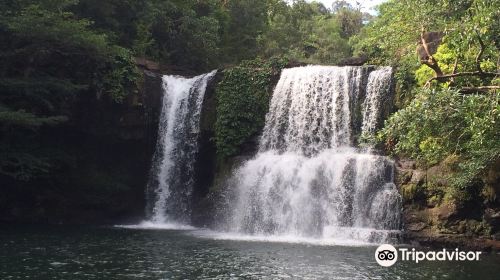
x: 349, y: 18
x: 474, y: 44
x: 468, y: 36
x: 247, y: 20
x: 304, y: 31
x: 49, y: 57
x: 447, y: 59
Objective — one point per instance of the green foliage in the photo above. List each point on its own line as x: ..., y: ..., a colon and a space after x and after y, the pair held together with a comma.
x: 27, y: 120
x: 395, y: 32
x: 349, y: 18
x: 181, y: 33
x: 242, y: 102
x: 50, y: 57
x: 309, y: 32
x: 445, y: 57
x: 465, y: 61
x: 478, y: 19
x: 57, y: 53
x: 246, y: 20
x: 438, y: 124
x: 45, y: 27
x: 184, y: 38
x: 405, y: 81
x: 200, y: 35
x: 409, y: 191
x: 392, y: 37
x: 23, y: 166
x: 39, y: 43
x: 325, y: 43
x: 122, y: 77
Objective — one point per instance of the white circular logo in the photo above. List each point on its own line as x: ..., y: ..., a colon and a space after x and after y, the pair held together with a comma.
x: 386, y: 255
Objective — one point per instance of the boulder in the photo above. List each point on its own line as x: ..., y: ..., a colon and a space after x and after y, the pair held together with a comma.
x: 492, y: 217
x: 146, y: 64
x: 418, y: 177
x: 417, y: 226
x: 354, y: 61
x: 406, y: 164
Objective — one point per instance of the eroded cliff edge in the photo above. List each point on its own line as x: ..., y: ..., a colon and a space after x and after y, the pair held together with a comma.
x: 105, y: 155
x: 432, y: 219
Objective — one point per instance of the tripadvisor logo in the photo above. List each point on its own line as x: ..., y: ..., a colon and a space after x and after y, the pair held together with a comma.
x: 387, y: 255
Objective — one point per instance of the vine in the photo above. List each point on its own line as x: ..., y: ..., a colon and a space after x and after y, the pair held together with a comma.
x: 242, y: 102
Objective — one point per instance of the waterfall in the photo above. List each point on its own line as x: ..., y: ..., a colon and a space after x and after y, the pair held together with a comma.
x: 308, y: 178
x: 172, y: 174
x: 377, y: 88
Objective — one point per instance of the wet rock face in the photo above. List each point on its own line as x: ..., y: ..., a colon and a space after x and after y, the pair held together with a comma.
x: 135, y: 118
x: 106, y: 153
x: 492, y: 217
x: 354, y: 61
x: 206, y: 161
x: 432, y: 220
x: 418, y: 226
x: 146, y: 64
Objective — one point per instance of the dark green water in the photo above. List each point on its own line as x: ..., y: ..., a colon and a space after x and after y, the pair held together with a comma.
x: 117, y: 253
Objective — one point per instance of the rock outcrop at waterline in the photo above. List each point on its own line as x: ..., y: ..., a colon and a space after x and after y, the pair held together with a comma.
x: 104, y: 152
x: 431, y: 219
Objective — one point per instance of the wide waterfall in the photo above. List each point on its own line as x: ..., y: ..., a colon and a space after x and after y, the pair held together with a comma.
x: 172, y: 173
x: 309, y: 180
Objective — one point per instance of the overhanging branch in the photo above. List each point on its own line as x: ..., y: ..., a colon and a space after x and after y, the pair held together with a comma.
x: 482, y: 89
x: 447, y: 77
x: 480, y: 54
x: 429, y: 60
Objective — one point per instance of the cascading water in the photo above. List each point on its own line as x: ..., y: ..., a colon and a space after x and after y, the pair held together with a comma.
x: 378, y: 87
x: 308, y: 180
x: 172, y: 174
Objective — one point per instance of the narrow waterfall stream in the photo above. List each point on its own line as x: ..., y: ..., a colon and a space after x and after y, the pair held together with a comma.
x: 172, y: 173
x: 309, y: 180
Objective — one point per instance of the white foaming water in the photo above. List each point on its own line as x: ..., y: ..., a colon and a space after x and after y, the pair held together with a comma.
x: 311, y: 109
x: 308, y: 181
x: 337, y: 241
x: 376, y: 90
x: 161, y: 226
x: 171, y: 178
